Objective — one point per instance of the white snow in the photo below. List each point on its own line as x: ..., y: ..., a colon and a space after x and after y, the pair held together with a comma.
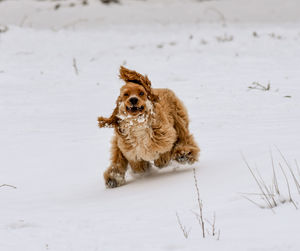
x: 141, y: 119
x: 208, y: 53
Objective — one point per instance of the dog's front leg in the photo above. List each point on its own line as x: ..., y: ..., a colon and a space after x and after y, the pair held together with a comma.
x: 114, y: 176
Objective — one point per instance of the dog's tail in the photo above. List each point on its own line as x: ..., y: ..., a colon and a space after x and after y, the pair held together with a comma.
x: 137, y: 78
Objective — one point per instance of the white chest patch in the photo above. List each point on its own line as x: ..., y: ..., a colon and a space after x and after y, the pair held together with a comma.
x: 137, y: 139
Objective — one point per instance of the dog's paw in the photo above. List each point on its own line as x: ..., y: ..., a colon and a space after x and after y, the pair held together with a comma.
x: 111, y: 183
x: 163, y: 160
x: 160, y: 163
x: 140, y: 166
x: 114, y: 180
x: 186, y: 155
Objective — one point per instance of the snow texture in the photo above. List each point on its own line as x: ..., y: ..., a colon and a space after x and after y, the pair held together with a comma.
x: 59, y: 72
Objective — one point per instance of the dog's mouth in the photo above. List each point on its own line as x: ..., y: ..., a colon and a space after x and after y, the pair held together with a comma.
x: 135, y: 109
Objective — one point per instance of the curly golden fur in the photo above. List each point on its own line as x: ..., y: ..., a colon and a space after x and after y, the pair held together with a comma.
x: 150, y: 125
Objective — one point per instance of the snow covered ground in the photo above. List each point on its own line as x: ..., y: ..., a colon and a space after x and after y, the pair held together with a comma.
x: 209, y: 53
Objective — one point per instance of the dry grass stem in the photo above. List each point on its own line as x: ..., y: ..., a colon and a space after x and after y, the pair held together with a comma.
x: 183, y: 228
x: 258, y: 86
x: 252, y: 201
x: 275, y: 181
x: 268, y: 193
x: 213, y: 231
x: 7, y: 185
x: 75, y: 66
x: 291, y: 170
x: 263, y: 193
x: 272, y: 195
x: 298, y: 169
x: 288, y: 186
x: 212, y: 225
x: 200, y: 205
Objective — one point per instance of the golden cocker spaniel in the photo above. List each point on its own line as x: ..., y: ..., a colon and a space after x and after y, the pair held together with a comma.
x: 150, y: 125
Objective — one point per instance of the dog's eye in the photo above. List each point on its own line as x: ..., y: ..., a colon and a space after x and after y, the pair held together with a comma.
x: 141, y: 93
x: 126, y: 94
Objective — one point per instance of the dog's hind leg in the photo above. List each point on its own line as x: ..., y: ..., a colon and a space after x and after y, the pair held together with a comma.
x: 185, y: 149
x: 163, y: 160
x: 140, y: 166
x: 187, y: 152
x: 114, y: 176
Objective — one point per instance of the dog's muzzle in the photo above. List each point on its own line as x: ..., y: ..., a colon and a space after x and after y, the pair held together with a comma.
x: 135, y: 108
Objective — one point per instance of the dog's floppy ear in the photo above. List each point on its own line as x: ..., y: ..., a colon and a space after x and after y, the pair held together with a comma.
x: 112, y: 121
x: 137, y: 78
x: 134, y: 77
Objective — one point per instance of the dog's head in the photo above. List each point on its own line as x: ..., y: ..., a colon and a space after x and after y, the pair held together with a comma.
x: 133, y: 99
x: 136, y: 96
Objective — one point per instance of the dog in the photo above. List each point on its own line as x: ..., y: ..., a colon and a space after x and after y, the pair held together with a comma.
x: 149, y: 125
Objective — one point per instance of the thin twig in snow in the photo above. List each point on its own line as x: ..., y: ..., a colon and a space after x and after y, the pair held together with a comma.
x: 275, y: 181
x: 267, y: 191
x: 252, y: 201
x: 75, y: 66
x: 258, y: 183
x: 7, y: 185
x: 258, y: 86
x: 298, y: 169
x: 183, y: 228
x: 290, y: 169
x: 200, y: 204
x: 288, y: 186
x: 271, y: 194
x: 213, y: 225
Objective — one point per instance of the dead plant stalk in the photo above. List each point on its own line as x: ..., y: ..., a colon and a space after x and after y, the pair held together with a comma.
x: 200, y: 205
x: 182, y: 227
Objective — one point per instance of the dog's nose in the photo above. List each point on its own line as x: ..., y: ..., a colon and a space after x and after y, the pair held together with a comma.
x: 133, y: 101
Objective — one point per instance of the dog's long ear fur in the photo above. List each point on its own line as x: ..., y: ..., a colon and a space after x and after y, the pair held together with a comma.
x: 112, y: 121
x: 137, y: 78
